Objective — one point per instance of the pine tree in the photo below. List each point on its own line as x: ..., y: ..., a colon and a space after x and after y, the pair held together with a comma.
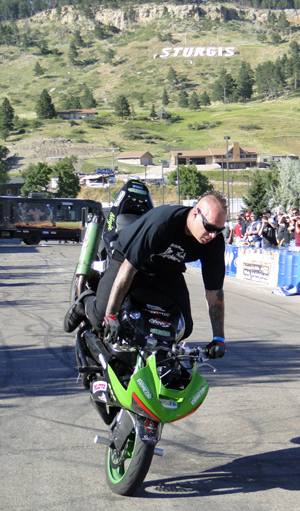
x: 257, y: 198
x: 44, y: 107
x: 72, y: 103
x: 122, y: 108
x: 245, y: 82
x: 224, y: 87
x: 77, y: 39
x: 172, y: 76
x: 73, y: 53
x: 194, y: 103
x: 3, y: 164
x: 165, y: 98
x: 88, y: 100
x: 153, y: 113
x: 183, y: 99
x: 109, y: 56
x: 38, y: 70
x: 6, y: 118
x: 205, y: 99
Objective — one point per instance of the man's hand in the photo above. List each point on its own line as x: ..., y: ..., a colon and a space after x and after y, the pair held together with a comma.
x: 215, y: 349
x: 112, y: 327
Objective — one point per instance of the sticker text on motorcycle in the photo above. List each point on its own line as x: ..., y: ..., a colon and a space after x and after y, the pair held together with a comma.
x: 144, y: 388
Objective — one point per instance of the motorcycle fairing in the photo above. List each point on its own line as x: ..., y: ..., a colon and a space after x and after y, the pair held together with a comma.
x: 147, y: 396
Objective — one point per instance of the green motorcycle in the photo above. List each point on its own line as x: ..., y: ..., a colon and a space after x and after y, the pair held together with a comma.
x: 144, y: 380
x: 149, y: 376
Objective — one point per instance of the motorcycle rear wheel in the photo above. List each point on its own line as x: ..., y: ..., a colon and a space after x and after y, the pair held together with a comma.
x: 127, y: 469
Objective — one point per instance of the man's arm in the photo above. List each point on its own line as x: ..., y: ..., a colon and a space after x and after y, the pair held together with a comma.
x: 215, y: 303
x: 120, y: 287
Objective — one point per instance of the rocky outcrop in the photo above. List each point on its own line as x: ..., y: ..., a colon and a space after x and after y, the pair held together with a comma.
x: 146, y: 13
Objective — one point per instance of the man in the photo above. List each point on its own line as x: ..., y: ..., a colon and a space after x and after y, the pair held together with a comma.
x: 246, y: 222
x: 152, y: 252
x: 267, y: 232
x: 238, y: 231
x: 252, y: 231
x: 271, y: 220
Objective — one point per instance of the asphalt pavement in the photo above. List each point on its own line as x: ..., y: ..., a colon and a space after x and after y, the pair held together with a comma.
x: 239, y: 452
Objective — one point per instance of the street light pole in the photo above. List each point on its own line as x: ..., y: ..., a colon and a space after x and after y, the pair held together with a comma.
x: 246, y: 175
x: 178, y: 178
x: 113, y: 160
x: 162, y: 183
x: 145, y: 172
x: 222, y: 174
x: 228, y: 191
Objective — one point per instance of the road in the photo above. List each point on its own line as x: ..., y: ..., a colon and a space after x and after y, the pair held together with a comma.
x: 239, y: 451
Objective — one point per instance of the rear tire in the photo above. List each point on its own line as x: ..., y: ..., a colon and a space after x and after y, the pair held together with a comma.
x: 126, y: 470
x: 32, y: 239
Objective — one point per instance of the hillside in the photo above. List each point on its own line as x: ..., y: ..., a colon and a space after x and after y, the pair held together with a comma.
x: 136, y: 70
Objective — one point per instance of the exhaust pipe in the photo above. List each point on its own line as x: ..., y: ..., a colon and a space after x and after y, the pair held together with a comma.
x: 158, y: 451
x: 102, y: 440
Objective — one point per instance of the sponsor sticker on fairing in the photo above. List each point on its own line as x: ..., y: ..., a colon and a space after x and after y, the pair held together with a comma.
x: 158, y: 322
x: 160, y: 332
x: 99, y: 386
x: 144, y: 388
x: 198, y: 395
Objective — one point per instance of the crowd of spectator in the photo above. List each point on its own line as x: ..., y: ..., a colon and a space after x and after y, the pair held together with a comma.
x: 270, y: 231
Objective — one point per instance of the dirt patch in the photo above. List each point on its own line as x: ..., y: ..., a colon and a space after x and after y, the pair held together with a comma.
x: 50, y: 150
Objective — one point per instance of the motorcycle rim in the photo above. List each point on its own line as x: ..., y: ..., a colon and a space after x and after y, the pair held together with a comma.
x: 127, y: 469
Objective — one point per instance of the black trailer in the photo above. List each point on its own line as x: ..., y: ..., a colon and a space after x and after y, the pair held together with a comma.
x: 37, y: 218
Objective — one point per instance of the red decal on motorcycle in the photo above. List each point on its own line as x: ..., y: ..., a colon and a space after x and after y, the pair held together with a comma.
x: 190, y: 413
x: 100, y: 386
x: 141, y: 404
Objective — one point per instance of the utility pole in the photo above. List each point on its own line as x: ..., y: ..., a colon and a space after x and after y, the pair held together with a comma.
x: 228, y: 191
x: 178, y: 178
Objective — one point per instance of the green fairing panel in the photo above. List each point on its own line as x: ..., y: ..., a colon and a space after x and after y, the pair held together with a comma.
x: 166, y: 404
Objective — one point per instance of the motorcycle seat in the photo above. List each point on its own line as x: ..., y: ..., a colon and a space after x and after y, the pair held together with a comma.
x: 125, y: 219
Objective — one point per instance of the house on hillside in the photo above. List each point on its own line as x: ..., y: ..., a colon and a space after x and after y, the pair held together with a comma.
x: 77, y: 114
x: 238, y: 157
x: 13, y: 186
x: 136, y: 158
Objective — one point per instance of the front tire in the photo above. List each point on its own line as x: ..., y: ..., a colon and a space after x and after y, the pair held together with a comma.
x: 127, y: 469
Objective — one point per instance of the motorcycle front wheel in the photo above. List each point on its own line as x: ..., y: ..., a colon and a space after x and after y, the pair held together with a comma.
x: 127, y: 469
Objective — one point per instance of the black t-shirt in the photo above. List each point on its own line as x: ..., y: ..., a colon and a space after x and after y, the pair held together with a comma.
x: 157, y: 244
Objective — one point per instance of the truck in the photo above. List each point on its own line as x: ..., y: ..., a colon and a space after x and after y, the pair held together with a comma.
x: 37, y: 218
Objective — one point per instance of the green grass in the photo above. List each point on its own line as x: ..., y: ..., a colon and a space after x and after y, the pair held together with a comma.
x: 136, y: 71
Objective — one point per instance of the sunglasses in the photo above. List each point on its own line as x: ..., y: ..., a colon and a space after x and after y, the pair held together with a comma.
x: 210, y: 227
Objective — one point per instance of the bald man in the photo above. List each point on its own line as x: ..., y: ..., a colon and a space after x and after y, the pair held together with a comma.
x: 152, y: 252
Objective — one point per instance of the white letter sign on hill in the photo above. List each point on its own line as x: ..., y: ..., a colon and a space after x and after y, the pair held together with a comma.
x: 198, y: 51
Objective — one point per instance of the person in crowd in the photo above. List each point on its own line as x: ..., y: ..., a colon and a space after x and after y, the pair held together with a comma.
x: 293, y: 214
x: 297, y: 233
x: 246, y: 222
x: 251, y: 234
x: 267, y: 232
x: 283, y: 234
x: 271, y: 219
x: 153, y: 251
x: 228, y: 232
x: 238, y: 231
